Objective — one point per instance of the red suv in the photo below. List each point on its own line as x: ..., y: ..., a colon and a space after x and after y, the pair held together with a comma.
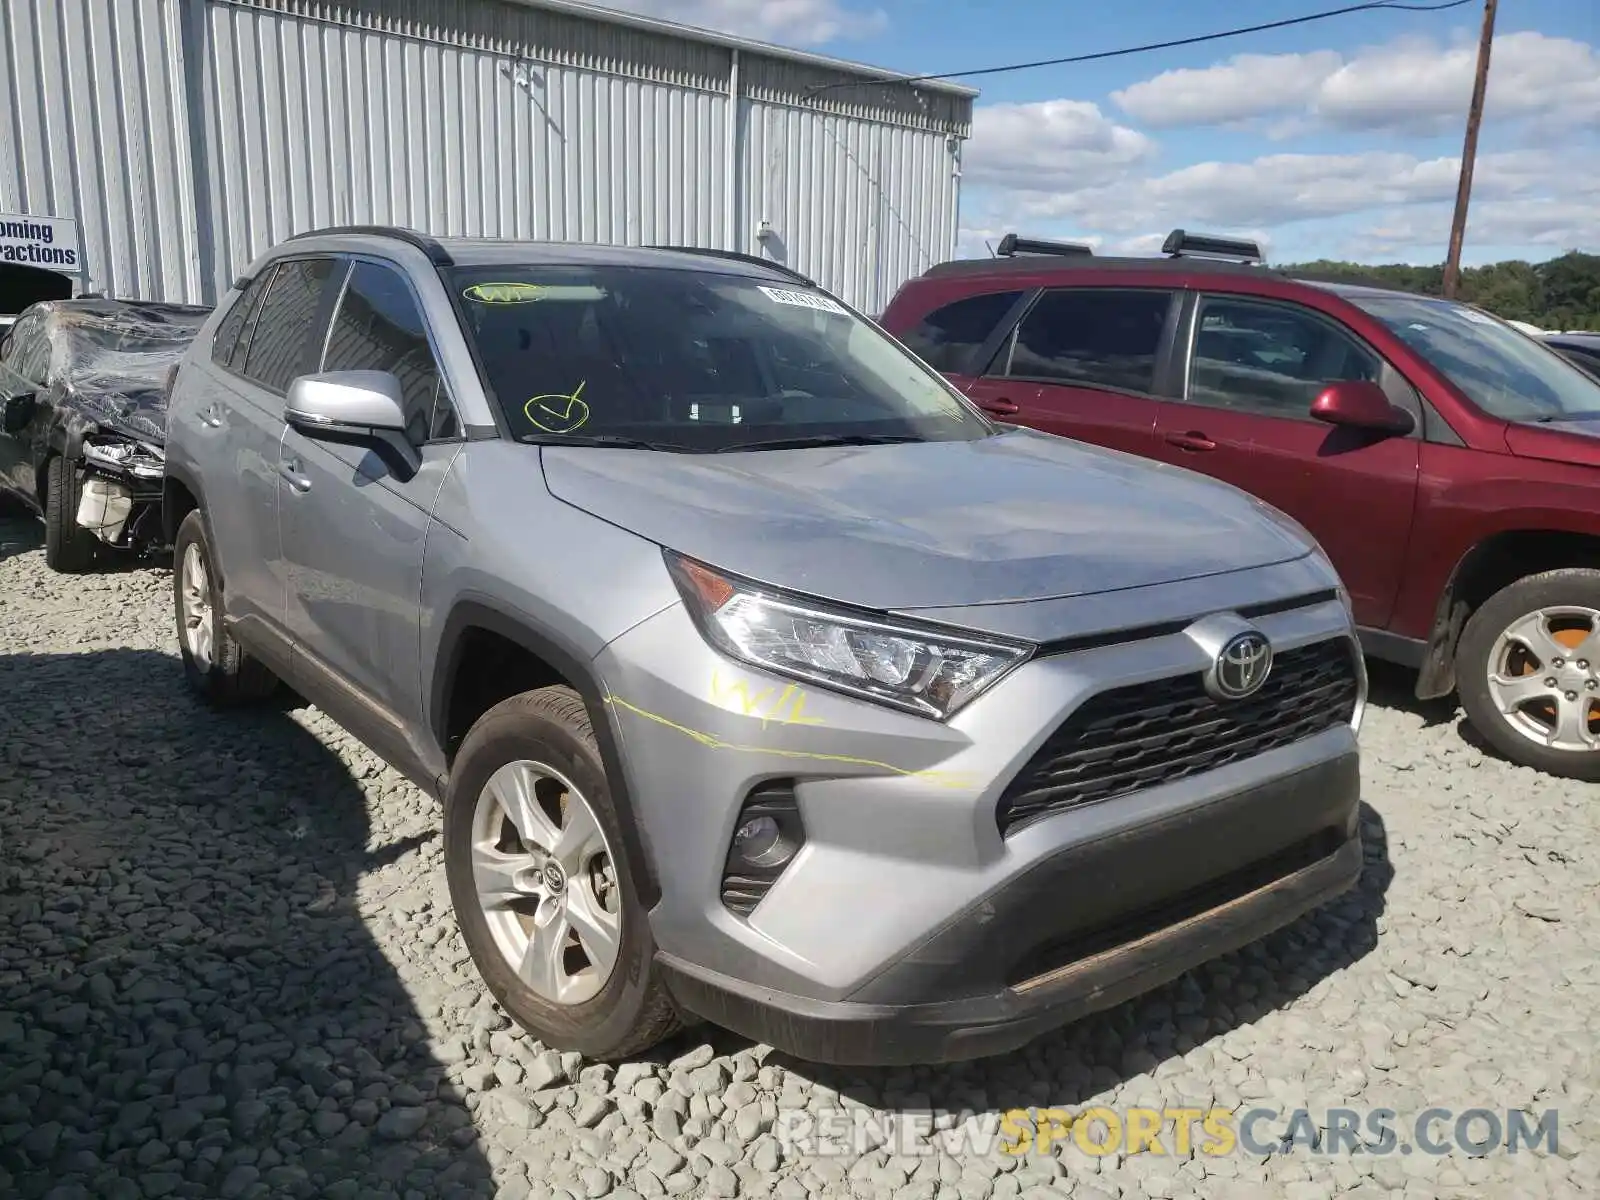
x: 1448, y: 464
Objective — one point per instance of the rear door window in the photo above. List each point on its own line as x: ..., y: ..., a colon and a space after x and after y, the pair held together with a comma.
x: 27, y: 355
x: 949, y: 337
x: 284, y: 342
x: 1091, y: 337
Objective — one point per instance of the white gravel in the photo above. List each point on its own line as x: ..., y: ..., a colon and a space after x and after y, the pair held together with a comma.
x: 228, y: 968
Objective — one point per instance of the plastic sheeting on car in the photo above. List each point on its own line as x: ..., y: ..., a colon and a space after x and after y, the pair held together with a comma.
x: 109, y: 359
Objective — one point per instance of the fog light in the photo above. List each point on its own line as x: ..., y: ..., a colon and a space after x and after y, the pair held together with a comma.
x: 765, y: 841
x: 759, y: 842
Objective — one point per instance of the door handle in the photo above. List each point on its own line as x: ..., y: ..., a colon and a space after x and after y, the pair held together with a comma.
x: 212, y: 416
x: 290, y: 470
x: 1193, y: 440
x: 999, y: 407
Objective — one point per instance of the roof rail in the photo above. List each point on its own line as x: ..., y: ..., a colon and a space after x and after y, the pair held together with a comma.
x: 754, y: 260
x: 1181, y: 244
x: 1012, y: 245
x: 437, y: 254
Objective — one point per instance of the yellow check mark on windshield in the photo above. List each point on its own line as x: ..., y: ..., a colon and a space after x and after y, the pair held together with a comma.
x: 557, y: 412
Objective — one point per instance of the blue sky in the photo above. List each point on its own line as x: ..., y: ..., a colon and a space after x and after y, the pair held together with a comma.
x: 1340, y: 139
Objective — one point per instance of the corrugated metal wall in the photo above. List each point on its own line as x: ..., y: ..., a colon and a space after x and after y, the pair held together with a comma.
x: 219, y: 127
x: 859, y: 207
x: 95, y: 125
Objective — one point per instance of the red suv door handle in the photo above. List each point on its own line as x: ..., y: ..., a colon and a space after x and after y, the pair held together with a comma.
x: 1000, y: 407
x: 1193, y: 440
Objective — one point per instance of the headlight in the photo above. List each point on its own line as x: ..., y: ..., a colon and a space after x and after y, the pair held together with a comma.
x: 917, y: 670
x: 136, y: 458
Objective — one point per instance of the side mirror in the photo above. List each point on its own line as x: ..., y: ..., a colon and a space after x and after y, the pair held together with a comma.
x: 363, y: 408
x: 17, y: 412
x: 1360, y: 404
x: 345, y: 402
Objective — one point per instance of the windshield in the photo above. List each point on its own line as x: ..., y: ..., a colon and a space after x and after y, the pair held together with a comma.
x: 695, y: 361
x: 1504, y: 372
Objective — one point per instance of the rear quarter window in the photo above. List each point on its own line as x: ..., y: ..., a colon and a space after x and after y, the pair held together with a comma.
x: 225, y: 346
x: 949, y: 338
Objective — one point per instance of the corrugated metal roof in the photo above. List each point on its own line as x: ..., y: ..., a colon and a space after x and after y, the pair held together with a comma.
x: 595, y: 12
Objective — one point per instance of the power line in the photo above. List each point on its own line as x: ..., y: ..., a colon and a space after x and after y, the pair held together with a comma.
x: 1146, y: 48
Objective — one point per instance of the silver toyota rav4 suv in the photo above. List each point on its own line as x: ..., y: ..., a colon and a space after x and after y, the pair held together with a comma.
x: 762, y: 679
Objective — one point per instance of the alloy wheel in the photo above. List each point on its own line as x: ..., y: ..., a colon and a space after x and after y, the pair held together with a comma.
x: 1544, y: 677
x: 546, y: 882
x: 199, y: 618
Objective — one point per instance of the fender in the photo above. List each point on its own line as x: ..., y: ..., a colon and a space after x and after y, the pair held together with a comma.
x: 169, y: 518
x: 1437, y: 675
x: 481, y: 613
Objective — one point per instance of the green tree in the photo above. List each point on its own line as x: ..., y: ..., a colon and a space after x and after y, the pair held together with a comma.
x: 1562, y: 293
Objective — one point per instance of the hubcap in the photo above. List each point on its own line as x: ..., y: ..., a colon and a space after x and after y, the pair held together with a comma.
x: 1544, y: 677
x: 198, y: 620
x: 546, y: 882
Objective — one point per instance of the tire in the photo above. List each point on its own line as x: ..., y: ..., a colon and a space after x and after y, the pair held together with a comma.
x: 1556, y: 602
x: 223, y: 674
x: 68, y: 547
x: 630, y: 1011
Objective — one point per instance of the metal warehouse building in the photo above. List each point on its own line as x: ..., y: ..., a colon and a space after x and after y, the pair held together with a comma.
x: 185, y: 136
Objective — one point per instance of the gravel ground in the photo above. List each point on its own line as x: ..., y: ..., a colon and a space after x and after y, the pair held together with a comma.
x: 228, y: 968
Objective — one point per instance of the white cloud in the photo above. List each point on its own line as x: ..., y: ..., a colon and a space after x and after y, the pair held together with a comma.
x: 1528, y: 197
x: 784, y: 22
x: 1052, y: 144
x: 1249, y: 85
x: 1554, y: 223
x: 1410, y: 85
x: 1265, y: 191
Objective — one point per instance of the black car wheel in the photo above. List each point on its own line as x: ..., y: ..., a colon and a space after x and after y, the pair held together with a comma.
x: 68, y: 547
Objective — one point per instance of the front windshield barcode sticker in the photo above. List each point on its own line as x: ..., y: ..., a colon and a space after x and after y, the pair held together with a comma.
x: 804, y: 300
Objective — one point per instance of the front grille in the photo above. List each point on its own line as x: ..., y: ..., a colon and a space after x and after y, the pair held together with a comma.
x: 1137, y: 737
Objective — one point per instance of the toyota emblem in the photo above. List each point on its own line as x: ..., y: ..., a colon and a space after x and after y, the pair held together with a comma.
x: 1241, y: 667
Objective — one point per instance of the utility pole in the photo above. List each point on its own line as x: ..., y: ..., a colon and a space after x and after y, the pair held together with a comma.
x: 1458, y: 226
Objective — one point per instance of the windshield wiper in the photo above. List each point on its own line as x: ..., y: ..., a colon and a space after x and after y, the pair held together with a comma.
x: 594, y: 439
x: 821, y: 439
x: 1549, y: 418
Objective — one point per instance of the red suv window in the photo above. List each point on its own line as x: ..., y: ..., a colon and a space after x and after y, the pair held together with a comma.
x: 1091, y: 337
x: 949, y: 337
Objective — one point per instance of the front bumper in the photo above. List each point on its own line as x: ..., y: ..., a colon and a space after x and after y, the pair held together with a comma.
x: 1082, y: 931
x: 122, y: 492
x: 909, y: 906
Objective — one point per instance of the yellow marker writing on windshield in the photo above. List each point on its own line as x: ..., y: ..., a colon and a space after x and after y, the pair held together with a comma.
x: 556, y: 412
x: 504, y: 293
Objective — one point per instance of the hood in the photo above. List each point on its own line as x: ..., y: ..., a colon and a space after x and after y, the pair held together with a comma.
x: 1018, y: 516
x: 130, y: 407
x: 1558, y: 441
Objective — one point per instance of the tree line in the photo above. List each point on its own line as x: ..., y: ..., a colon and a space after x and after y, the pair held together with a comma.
x: 1560, y: 293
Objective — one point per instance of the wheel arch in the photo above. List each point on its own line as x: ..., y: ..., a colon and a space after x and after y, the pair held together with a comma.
x: 1487, y: 566
x: 476, y: 627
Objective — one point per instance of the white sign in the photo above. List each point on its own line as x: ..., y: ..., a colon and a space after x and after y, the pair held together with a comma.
x: 48, y: 242
x: 803, y: 300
